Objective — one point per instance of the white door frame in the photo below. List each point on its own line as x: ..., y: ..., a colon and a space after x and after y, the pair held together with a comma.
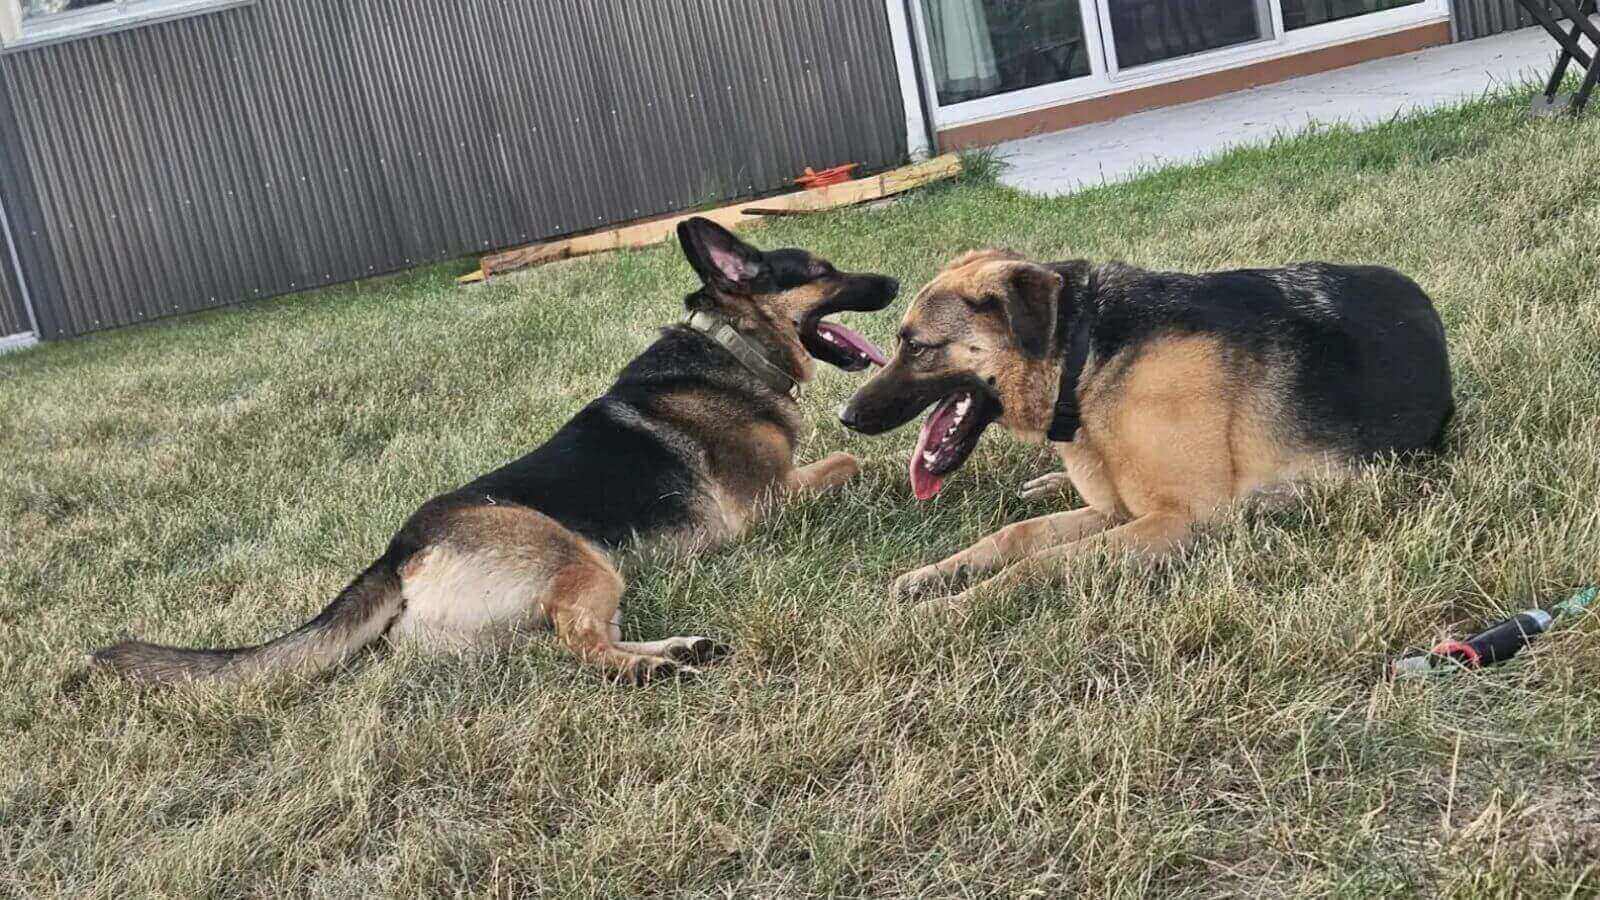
x: 1104, y: 78
x: 10, y: 21
x: 901, y: 33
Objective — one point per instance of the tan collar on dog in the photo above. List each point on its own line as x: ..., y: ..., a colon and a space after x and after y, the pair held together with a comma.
x: 745, y: 351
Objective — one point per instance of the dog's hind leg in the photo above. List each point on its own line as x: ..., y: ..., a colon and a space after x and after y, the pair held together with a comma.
x: 693, y: 651
x: 496, y: 570
x: 1151, y: 537
x: 1006, y: 546
x: 584, y: 605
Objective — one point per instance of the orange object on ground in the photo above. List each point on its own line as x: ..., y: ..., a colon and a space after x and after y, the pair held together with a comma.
x: 836, y: 175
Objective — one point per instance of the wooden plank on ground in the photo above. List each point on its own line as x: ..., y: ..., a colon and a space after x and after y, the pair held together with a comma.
x: 644, y: 234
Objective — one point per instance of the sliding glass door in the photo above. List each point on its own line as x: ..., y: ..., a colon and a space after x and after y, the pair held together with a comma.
x: 979, y: 48
x: 1147, y: 31
x: 988, y: 58
x: 1305, y: 13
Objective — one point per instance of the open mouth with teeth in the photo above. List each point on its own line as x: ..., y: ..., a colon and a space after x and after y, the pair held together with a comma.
x: 839, y: 346
x: 948, y: 437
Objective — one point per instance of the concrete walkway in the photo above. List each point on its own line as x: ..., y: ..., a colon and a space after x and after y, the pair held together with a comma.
x: 1371, y: 92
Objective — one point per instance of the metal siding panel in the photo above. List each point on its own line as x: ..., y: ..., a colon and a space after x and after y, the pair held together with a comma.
x: 13, y: 316
x: 17, y: 192
x: 287, y: 145
x: 1481, y: 18
x: 44, y: 156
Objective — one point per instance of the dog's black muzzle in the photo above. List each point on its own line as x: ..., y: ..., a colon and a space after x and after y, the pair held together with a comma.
x: 894, y: 397
x: 861, y: 293
x: 858, y: 293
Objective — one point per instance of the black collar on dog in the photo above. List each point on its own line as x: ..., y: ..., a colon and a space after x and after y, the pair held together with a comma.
x: 745, y: 351
x: 1077, y: 326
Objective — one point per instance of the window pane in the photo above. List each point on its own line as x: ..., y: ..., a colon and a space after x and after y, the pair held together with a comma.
x: 1300, y: 13
x: 33, y: 9
x: 979, y: 48
x: 1147, y: 31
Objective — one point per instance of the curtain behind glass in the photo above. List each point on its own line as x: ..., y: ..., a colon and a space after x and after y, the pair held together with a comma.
x: 979, y: 48
x: 961, y: 49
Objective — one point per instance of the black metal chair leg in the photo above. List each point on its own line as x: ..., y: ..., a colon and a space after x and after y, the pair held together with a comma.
x: 1542, y: 16
x: 1551, y: 103
x: 1560, y: 74
x: 1582, y: 98
x: 1576, y: 12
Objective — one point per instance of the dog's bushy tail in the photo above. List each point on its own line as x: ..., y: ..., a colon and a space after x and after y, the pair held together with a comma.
x: 358, y: 616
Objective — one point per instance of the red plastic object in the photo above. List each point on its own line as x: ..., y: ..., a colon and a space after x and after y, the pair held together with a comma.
x: 836, y: 175
x: 1462, y: 651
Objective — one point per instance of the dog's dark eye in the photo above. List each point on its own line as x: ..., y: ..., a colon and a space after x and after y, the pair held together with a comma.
x: 822, y: 269
x: 915, y: 349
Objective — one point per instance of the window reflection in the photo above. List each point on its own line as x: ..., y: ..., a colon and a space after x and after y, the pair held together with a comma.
x: 1147, y: 31
x: 979, y: 48
x: 1303, y: 13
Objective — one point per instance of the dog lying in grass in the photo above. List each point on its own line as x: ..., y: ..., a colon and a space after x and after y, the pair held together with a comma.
x: 691, y: 444
x: 1166, y: 396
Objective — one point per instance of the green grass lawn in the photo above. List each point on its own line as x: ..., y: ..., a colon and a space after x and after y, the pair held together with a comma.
x: 1215, y: 727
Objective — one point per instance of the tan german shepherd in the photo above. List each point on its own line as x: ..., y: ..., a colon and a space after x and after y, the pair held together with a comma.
x: 1165, y: 395
x: 691, y: 444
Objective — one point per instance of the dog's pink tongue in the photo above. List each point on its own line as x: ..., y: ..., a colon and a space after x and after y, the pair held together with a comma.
x: 854, y: 341
x: 924, y: 483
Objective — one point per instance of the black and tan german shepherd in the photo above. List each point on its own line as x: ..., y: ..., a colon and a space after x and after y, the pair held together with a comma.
x: 1165, y: 395
x: 690, y: 445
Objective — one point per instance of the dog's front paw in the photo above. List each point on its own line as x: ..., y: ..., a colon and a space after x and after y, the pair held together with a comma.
x: 1056, y: 484
x: 696, y: 651
x: 940, y: 608
x: 844, y: 464
x: 921, y: 584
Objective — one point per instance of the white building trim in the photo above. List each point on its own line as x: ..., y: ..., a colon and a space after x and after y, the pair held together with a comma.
x: 17, y: 342
x: 98, y: 20
x: 905, y: 60
x: 10, y: 21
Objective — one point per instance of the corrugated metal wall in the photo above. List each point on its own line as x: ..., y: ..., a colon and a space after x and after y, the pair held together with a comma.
x: 286, y: 145
x: 15, y: 189
x: 1481, y: 18
x: 13, y: 317
x: 13, y: 314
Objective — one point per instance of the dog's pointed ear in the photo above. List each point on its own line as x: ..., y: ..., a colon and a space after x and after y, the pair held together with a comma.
x: 721, y: 260
x: 1032, y: 293
x: 988, y: 254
